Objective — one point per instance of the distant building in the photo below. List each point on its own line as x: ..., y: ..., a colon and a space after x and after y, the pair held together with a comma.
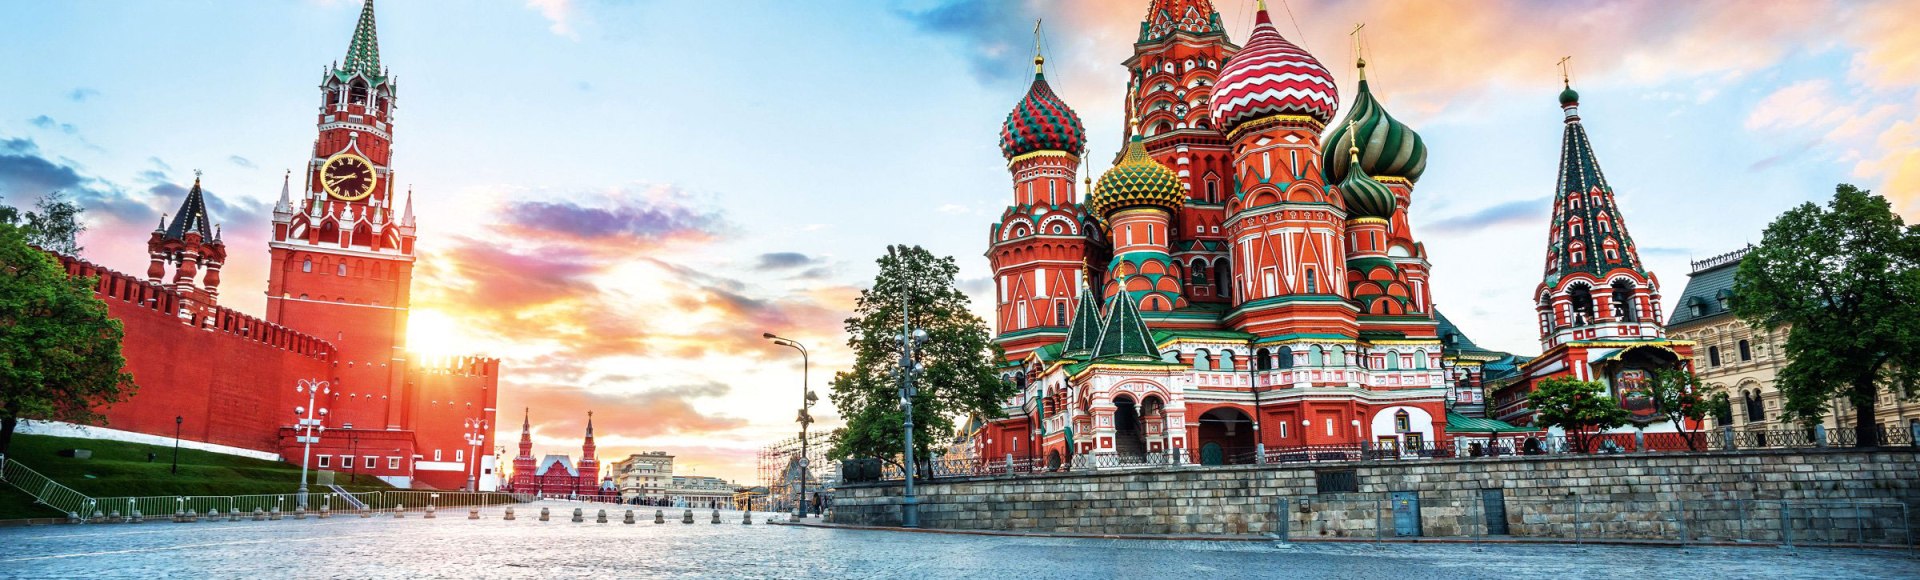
x: 1744, y: 361
x: 557, y: 475
x: 699, y: 491
x: 644, y: 475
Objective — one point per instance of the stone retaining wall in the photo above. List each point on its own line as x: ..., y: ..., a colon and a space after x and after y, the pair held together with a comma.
x: 1816, y: 495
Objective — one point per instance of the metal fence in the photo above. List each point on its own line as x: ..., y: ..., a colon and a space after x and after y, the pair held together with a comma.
x: 1490, y: 515
x: 1455, y: 447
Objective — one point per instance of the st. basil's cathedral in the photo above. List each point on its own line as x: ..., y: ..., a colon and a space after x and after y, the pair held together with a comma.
x: 1245, y: 280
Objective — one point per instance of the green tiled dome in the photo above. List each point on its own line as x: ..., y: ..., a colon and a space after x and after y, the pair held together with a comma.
x: 1137, y: 181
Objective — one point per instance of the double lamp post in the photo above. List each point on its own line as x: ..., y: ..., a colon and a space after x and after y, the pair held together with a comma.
x: 807, y: 399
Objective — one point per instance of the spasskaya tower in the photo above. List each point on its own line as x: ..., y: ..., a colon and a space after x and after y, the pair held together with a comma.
x: 342, y: 255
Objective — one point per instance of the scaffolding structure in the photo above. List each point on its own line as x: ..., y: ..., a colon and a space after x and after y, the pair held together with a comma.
x: 780, y: 472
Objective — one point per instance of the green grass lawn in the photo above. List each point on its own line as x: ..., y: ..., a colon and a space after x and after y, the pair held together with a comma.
x: 122, y: 469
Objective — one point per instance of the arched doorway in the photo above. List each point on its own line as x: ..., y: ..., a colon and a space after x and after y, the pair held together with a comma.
x: 1128, y: 440
x: 1229, y: 433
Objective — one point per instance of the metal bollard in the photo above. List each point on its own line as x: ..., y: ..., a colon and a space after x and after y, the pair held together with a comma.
x: 688, y: 518
x: 659, y: 516
x: 543, y: 514
x: 577, y: 516
x: 136, y: 518
x: 509, y: 516
x: 98, y: 518
x: 300, y: 513
x: 716, y: 516
x: 746, y: 518
x: 325, y: 511
x: 629, y: 518
x: 193, y: 516
x: 429, y: 512
x: 179, y: 516
x: 602, y: 518
x: 473, y: 512
x: 366, y: 512
x: 259, y: 515
x: 116, y: 517
x: 273, y: 514
x: 399, y: 511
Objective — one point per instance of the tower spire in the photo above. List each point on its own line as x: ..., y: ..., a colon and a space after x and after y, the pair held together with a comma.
x: 363, y: 52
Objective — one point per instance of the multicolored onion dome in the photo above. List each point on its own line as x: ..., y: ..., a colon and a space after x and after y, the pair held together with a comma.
x: 1137, y: 181
x: 1041, y: 122
x: 1388, y: 148
x: 1365, y: 197
x: 1272, y: 77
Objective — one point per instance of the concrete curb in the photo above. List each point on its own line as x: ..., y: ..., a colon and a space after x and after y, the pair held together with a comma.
x: 1506, y: 541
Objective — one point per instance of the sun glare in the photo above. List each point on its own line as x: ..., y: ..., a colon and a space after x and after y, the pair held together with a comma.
x: 435, y: 333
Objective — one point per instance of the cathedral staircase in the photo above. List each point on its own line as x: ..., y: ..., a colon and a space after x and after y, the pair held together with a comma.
x: 1127, y: 444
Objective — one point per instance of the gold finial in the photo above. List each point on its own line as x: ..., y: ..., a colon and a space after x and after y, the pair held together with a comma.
x: 196, y: 177
x: 1262, y: 5
x: 1038, y: 61
x: 1566, y: 79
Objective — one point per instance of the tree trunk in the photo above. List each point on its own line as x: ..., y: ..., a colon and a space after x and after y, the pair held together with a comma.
x: 1864, y: 427
x: 6, y: 432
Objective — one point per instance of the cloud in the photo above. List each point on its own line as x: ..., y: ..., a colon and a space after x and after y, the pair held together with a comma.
x: 48, y: 123
x: 82, y: 94
x: 783, y: 261
x: 657, y: 217
x: 992, y: 33
x: 1525, y: 212
x: 241, y: 161
x: 559, y: 411
x: 559, y: 13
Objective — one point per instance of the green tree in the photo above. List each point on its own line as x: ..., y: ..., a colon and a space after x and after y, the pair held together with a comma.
x: 1579, y: 407
x: 54, y: 227
x: 59, y: 351
x: 958, y: 360
x: 1845, y: 281
x: 1679, y: 396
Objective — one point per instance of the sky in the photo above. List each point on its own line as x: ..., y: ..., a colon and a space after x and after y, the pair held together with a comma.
x: 618, y: 197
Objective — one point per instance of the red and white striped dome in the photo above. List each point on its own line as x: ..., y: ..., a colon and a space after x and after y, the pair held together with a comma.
x: 1272, y: 77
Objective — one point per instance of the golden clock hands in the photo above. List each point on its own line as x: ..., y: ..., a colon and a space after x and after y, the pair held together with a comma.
x: 334, y: 180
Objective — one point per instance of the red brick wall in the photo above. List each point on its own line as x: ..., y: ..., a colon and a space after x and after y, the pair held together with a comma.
x: 229, y: 377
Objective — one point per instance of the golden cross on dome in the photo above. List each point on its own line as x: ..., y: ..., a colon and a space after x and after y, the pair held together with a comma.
x: 1359, y: 60
x: 1037, y: 59
x: 1565, y: 78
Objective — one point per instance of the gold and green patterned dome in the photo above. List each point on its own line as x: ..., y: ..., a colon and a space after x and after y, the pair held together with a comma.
x: 1137, y: 181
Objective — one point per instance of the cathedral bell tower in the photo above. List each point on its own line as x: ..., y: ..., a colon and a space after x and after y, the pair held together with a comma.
x: 1287, y: 225
x: 1042, y: 239
x: 342, y: 255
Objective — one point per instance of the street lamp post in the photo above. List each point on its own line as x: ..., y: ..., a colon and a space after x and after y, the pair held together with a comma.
x: 909, y: 338
x: 177, y: 420
x: 476, y: 434
x: 807, y: 398
x: 309, y: 427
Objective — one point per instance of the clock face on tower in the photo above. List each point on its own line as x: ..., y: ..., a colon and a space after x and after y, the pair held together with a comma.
x: 348, y: 177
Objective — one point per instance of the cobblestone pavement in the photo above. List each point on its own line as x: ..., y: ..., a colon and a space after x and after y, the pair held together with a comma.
x: 453, y: 547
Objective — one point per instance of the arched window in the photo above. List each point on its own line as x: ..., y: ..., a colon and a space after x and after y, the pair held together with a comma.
x: 1420, y: 360
x: 1202, y: 361
x: 1755, y: 411
x: 1315, y: 357
x: 1393, y: 360
x: 1222, y: 279
x: 1313, y: 284
x: 306, y: 265
x: 1581, y: 298
x: 1746, y: 351
x: 1713, y: 356
x: 1402, y: 422
x: 341, y: 270
x: 1337, y: 356
x: 1263, y: 359
x: 1624, y: 306
x: 1286, y: 357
